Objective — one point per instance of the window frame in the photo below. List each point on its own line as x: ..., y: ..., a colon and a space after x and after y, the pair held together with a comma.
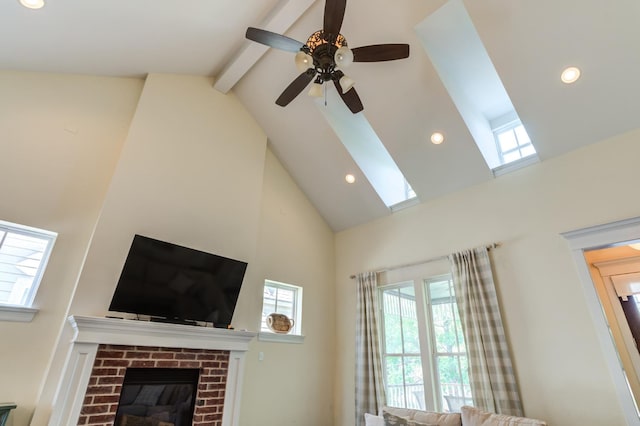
x: 433, y: 398
x: 24, y: 312
x: 437, y: 384
x: 296, y: 333
x: 403, y: 354
x: 511, y: 126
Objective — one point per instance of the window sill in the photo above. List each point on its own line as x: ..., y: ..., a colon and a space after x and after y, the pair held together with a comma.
x: 17, y: 313
x: 280, y: 338
x: 515, y: 165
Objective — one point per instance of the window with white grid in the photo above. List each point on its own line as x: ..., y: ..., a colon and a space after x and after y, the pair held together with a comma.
x: 284, y: 299
x: 24, y: 252
x: 423, y: 351
x: 513, y: 142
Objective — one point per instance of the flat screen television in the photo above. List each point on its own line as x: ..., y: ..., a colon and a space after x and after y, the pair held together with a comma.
x: 179, y: 284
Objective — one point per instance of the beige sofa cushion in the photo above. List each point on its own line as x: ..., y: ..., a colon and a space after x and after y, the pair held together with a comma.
x: 426, y: 417
x: 472, y: 416
x: 439, y: 419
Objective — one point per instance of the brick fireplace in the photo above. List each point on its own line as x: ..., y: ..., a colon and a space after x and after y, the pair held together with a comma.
x: 104, y: 348
x: 112, y: 362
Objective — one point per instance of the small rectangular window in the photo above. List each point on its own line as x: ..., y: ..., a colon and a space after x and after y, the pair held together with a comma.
x: 282, y: 299
x: 513, y: 142
x: 24, y: 252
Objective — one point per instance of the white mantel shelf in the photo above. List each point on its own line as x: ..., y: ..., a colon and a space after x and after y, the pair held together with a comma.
x: 90, y: 332
x: 116, y: 331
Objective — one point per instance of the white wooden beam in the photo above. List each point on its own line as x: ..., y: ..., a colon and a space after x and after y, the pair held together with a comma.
x: 282, y: 17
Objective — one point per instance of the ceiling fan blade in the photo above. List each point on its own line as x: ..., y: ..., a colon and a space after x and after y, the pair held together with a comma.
x: 277, y: 41
x: 333, y: 16
x: 295, y: 87
x: 351, y: 98
x: 380, y: 52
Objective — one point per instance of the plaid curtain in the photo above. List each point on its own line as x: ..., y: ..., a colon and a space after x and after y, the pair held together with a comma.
x: 493, y: 383
x: 369, y: 385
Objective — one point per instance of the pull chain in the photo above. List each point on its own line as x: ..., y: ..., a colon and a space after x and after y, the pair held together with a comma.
x: 324, y: 89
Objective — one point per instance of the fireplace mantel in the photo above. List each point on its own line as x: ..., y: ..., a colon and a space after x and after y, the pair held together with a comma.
x: 116, y: 331
x: 90, y: 332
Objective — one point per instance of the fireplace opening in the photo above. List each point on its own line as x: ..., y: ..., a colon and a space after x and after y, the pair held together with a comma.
x: 157, y: 397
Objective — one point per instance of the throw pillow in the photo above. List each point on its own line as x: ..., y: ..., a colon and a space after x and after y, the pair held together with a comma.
x: 440, y: 419
x: 393, y: 420
x: 472, y: 416
x: 371, y: 420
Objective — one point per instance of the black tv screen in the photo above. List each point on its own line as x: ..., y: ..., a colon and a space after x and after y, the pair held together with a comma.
x: 173, y: 282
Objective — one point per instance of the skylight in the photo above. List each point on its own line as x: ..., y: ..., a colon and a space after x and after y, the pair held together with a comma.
x: 465, y: 68
x: 367, y: 150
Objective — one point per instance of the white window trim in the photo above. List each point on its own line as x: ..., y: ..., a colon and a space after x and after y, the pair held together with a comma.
x: 296, y: 333
x: 26, y: 313
x: 264, y: 336
x: 17, y: 313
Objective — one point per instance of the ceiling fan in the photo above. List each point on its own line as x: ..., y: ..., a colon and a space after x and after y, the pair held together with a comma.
x: 325, y: 54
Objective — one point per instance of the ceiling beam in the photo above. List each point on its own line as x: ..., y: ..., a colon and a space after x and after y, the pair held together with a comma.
x: 281, y: 18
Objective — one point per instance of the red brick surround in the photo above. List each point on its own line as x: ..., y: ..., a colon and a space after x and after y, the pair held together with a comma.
x: 105, y: 384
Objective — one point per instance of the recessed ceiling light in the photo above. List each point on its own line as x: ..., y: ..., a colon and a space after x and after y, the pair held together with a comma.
x: 32, y: 4
x: 570, y: 75
x: 437, y: 138
x: 350, y: 178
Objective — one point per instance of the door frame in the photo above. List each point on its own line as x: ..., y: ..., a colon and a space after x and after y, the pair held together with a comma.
x: 595, y: 237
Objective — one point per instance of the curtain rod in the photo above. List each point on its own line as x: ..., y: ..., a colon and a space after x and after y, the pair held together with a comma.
x: 420, y: 262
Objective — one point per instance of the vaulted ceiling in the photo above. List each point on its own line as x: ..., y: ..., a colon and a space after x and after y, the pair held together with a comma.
x: 529, y: 43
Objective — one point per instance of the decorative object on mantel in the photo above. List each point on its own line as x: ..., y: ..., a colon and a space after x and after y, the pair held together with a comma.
x: 279, y: 323
x: 5, y: 408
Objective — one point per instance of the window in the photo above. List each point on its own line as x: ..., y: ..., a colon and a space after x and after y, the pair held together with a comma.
x: 283, y: 299
x: 513, y: 142
x: 24, y: 252
x: 447, y: 345
x: 404, y: 383
x: 423, y: 350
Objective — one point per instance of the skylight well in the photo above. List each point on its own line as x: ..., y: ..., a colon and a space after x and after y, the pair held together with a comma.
x: 368, y: 151
x: 463, y: 64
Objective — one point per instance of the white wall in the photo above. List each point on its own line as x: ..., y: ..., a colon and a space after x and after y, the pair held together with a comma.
x: 100, y: 159
x: 293, y: 385
x: 61, y: 136
x: 560, y: 368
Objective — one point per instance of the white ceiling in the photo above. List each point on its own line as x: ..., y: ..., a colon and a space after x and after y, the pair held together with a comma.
x: 528, y: 42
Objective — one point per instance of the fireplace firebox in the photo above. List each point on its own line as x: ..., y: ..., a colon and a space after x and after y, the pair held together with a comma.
x: 157, y: 397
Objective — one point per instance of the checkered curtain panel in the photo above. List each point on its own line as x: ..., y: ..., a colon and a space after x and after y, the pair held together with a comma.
x: 369, y: 385
x: 493, y: 383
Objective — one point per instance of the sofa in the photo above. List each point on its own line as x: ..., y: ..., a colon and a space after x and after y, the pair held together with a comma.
x: 468, y: 416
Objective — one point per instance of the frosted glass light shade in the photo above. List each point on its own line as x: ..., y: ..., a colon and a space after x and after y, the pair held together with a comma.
x: 316, y: 90
x: 346, y: 84
x: 303, y: 61
x: 32, y: 4
x: 343, y: 57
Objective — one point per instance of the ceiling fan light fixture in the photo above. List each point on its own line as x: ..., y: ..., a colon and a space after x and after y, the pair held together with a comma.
x: 303, y: 61
x: 346, y: 83
x: 343, y: 57
x: 32, y: 4
x: 316, y: 90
